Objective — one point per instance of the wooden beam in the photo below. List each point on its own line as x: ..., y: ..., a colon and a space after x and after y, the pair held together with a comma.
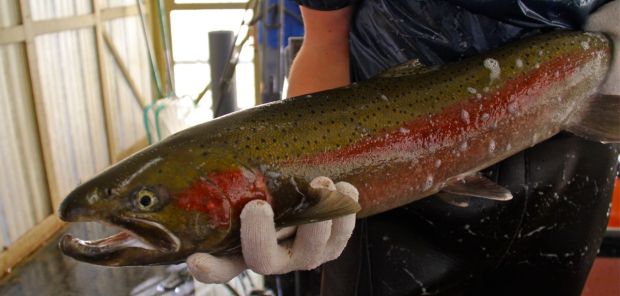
x: 12, y: 35
x: 196, y: 6
x: 105, y: 86
x: 118, y: 12
x: 159, y: 43
x: 137, y: 146
x: 62, y: 24
x: 258, y: 70
x: 124, y: 71
x: 37, y: 97
x: 28, y: 243
x: 17, y: 33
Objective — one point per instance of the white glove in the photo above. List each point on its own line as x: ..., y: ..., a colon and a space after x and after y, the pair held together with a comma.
x: 606, y: 20
x: 313, y: 245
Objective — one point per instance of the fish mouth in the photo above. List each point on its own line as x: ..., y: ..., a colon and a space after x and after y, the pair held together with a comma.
x: 141, y: 242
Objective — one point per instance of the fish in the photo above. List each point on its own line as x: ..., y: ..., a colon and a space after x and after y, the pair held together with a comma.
x: 409, y: 133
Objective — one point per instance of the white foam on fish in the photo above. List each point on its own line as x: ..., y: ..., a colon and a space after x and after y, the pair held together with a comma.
x: 493, y: 66
x: 465, y: 116
x: 519, y: 63
x: 491, y: 146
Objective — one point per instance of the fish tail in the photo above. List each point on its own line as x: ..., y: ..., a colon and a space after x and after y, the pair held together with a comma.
x: 599, y: 120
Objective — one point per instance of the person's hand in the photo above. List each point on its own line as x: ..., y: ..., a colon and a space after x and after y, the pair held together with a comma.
x: 606, y: 20
x: 313, y: 244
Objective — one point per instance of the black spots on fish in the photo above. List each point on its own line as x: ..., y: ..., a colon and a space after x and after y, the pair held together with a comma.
x: 204, y: 154
x: 108, y: 192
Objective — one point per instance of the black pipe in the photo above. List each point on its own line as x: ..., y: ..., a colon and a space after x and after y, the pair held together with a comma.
x: 224, y: 91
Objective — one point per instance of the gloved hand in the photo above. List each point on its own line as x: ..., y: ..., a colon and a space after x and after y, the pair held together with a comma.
x: 606, y: 20
x: 313, y: 245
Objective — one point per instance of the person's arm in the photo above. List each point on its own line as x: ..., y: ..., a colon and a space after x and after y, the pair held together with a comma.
x: 323, y: 60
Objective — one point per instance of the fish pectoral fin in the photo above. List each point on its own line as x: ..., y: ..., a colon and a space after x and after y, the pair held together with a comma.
x: 453, y: 199
x: 323, y: 204
x: 407, y: 68
x: 599, y: 121
x: 477, y: 186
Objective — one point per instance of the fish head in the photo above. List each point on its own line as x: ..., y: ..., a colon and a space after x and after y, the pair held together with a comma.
x: 168, y: 204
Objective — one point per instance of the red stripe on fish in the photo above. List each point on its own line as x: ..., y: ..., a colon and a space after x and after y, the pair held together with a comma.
x: 222, y: 194
x: 515, y: 95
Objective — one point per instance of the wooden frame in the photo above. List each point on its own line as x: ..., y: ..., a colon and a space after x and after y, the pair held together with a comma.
x: 26, y: 33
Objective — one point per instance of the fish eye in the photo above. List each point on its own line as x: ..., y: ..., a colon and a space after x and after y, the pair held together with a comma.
x: 146, y: 200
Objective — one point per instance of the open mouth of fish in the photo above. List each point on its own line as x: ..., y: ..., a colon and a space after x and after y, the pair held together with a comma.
x: 141, y: 242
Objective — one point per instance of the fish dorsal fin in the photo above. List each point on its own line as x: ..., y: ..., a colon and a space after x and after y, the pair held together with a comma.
x: 410, y: 67
x: 477, y: 186
x: 320, y: 204
x: 455, y: 200
x: 599, y: 120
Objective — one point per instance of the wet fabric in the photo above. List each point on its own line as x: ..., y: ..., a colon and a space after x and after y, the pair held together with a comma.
x: 544, y: 241
x: 386, y: 33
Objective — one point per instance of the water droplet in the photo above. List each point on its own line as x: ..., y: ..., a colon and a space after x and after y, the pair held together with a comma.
x: 508, y: 147
x: 493, y: 66
x: 428, y: 183
x: 384, y: 97
x: 403, y: 131
x: 463, y: 146
x: 585, y: 45
x: 519, y: 63
x: 465, y: 116
x: 478, y: 96
x: 491, y: 146
x: 485, y: 116
x: 471, y: 90
x: 438, y: 163
x: 512, y: 108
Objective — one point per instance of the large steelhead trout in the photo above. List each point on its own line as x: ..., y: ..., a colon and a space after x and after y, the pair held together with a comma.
x: 404, y: 135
